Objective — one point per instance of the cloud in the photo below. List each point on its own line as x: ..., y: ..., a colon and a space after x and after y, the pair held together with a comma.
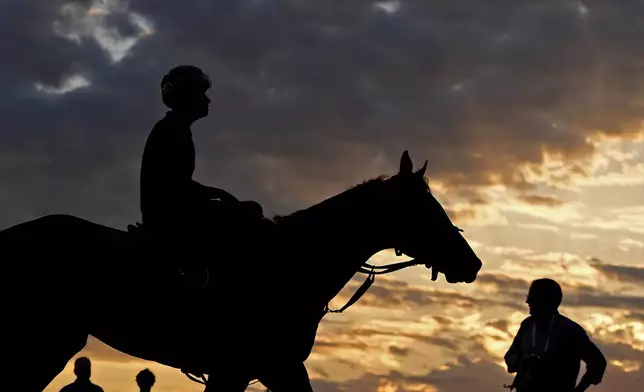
x: 504, y: 283
x: 577, y: 293
x: 398, y: 294
x: 542, y: 200
x: 536, y: 226
x: 605, y: 300
x: 78, y: 144
x: 622, y: 352
x: 466, y: 375
x: 470, y: 343
x: 627, y: 244
x: 511, y: 286
x: 307, y: 102
x: 68, y: 84
x: 583, y: 236
x: 399, y: 351
x: 621, y: 273
x: 322, y: 343
x: 462, y: 375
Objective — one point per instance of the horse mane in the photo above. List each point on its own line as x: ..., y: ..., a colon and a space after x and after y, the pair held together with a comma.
x: 349, y: 193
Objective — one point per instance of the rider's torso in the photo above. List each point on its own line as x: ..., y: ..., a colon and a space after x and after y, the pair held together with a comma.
x: 166, y: 172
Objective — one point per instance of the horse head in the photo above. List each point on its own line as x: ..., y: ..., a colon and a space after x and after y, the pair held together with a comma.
x: 421, y: 229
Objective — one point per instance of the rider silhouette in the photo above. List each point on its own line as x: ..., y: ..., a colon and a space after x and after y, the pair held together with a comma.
x: 547, y: 351
x: 83, y: 371
x: 170, y: 198
x: 177, y: 210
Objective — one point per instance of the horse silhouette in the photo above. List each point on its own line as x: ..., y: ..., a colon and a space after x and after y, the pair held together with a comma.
x: 65, y: 278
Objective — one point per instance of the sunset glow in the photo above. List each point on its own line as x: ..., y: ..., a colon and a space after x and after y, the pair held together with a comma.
x: 534, y: 138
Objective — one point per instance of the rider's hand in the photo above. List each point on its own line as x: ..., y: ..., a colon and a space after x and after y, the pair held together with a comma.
x: 216, y: 193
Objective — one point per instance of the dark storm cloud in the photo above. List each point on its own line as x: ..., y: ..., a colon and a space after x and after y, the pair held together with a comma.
x: 72, y: 152
x: 311, y: 97
x: 621, y: 273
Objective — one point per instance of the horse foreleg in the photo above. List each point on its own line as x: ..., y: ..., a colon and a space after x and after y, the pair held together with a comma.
x: 287, y: 378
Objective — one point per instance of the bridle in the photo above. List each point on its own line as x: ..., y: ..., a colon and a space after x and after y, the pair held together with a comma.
x: 373, y: 270
x: 367, y: 268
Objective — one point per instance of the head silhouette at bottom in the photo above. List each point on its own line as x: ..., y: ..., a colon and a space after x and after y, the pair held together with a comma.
x: 83, y: 372
x: 544, y: 298
x: 83, y: 368
x: 145, y: 380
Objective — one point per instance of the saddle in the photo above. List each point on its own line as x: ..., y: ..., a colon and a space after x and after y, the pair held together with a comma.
x: 216, y: 219
x: 187, y: 274
x: 229, y: 226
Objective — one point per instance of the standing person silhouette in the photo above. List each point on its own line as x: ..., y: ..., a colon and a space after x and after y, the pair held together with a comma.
x: 548, y: 349
x: 83, y: 371
x: 145, y: 380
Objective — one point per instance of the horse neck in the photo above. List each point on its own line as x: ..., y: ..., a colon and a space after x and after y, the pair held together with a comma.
x: 334, y: 238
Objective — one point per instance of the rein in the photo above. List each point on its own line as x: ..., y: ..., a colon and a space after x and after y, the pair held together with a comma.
x: 195, y: 379
x: 372, y: 271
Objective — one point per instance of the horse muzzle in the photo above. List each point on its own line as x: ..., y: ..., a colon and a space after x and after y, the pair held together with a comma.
x: 453, y: 276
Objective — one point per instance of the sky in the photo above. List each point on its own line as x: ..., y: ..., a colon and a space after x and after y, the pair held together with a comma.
x: 530, y: 114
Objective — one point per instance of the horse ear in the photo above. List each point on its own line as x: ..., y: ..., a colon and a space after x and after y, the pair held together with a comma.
x: 406, y: 166
x: 421, y: 171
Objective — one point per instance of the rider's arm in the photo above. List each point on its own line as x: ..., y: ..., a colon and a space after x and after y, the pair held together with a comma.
x: 594, y: 360
x: 209, y: 193
x: 514, y: 356
x: 178, y: 161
